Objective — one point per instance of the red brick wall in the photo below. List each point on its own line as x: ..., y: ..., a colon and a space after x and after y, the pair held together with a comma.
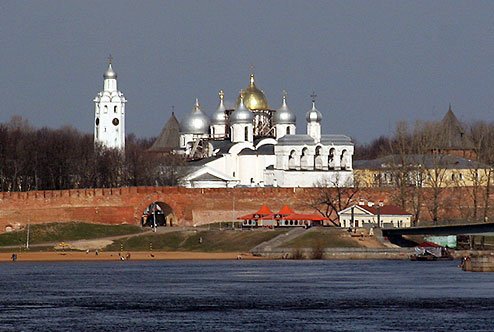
x: 125, y: 205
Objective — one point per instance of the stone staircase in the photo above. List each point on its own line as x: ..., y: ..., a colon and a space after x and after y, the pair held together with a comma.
x: 277, y: 241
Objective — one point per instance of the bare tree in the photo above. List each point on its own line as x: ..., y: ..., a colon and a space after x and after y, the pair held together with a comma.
x: 332, y: 196
x: 483, y: 135
x: 400, y: 166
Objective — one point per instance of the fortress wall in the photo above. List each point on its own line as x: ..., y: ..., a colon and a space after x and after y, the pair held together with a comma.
x: 191, y: 206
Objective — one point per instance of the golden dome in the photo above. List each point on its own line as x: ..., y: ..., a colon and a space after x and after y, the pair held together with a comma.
x: 254, y: 99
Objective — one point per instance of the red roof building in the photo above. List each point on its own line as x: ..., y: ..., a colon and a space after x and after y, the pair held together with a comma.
x: 286, y: 217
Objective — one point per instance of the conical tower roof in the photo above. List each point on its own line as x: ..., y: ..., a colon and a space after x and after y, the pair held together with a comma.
x: 454, y: 136
x: 169, y: 137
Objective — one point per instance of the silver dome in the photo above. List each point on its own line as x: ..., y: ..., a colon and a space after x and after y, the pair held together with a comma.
x: 241, y: 114
x: 109, y: 73
x: 219, y: 116
x: 284, y: 115
x: 313, y: 115
x: 195, y: 123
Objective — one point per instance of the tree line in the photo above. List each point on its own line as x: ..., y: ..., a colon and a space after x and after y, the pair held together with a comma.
x: 54, y: 159
x: 422, y: 137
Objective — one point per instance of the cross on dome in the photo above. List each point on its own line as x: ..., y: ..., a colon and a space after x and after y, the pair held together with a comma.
x: 313, y: 96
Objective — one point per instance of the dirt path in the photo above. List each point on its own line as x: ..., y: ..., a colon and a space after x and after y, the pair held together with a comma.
x: 82, y: 244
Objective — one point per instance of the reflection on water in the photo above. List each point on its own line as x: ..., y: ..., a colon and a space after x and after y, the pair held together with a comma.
x: 245, y: 295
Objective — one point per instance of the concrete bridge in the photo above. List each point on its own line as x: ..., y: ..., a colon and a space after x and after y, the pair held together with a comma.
x: 459, y: 229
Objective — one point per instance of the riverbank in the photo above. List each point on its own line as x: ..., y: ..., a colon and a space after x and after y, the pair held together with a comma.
x: 334, y: 254
x: 115, y: 256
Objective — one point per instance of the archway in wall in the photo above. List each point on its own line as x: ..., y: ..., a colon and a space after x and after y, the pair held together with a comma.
x: 158, y: 214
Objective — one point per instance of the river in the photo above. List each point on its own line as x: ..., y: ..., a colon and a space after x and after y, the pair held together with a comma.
x: 244, y: 296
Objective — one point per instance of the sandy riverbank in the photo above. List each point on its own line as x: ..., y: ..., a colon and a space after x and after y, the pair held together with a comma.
x: 114, y: 256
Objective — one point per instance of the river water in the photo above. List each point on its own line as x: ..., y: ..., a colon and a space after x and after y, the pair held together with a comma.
x: 244, y: 296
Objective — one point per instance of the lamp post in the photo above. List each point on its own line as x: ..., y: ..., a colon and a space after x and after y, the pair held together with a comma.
x: 154, y: 218
x: 233, y: 207
x: 27, y: 237
x: 379, y: 215
x: 352, y: 222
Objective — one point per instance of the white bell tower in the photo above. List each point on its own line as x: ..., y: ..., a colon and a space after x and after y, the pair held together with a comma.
x: 109, y: 112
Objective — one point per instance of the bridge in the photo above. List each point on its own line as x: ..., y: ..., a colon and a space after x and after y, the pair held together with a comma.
x: 486, y: 228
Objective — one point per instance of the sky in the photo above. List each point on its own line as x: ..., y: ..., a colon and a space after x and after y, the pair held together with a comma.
x: 371, y: 63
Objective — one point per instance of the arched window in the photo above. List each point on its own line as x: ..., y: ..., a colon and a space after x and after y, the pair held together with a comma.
x: 331, y: 163
x: 246, y: 133
x: 288, y: 130
x: 344, y: 160
x: 292, y: 160
x: 318, y: 161
x: 115, y: 109
x: 304, y: 159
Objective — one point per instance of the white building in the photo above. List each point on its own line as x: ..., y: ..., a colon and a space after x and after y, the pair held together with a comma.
x: 370, y: 215
x: 109, y: 113
x: 254, y: 145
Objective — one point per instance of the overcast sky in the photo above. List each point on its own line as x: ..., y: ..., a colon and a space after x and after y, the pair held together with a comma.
x: 371, y: 63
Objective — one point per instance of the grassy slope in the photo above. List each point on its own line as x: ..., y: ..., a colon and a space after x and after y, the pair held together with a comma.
x: 212, y: 241
x: 57, y: 232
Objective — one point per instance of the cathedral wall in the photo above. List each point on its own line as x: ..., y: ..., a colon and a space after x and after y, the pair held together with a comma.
x: 192, y: 206
x: 309, y: 178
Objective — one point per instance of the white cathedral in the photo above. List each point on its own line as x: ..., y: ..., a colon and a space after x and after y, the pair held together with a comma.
x: 249, y: 144
x: 254, y: 145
